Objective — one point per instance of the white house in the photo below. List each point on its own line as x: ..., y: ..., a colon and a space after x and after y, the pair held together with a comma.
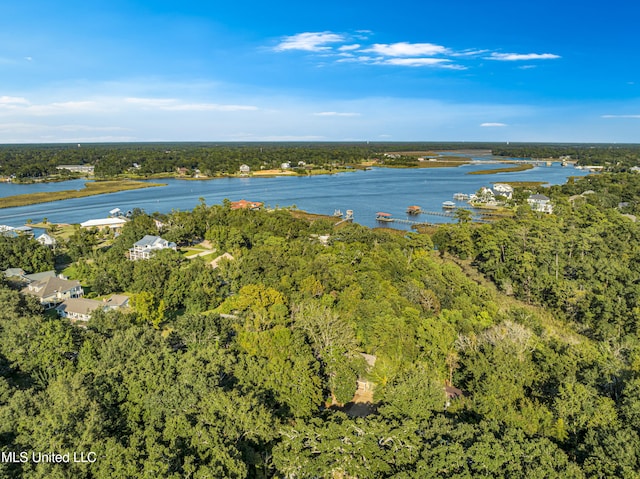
x: 502, y: 189
x: 46, y: 240
x: 148, y: 246
x: 53, y: 290
x: 104, y: 223
x: 540, y: 203
x: 245, y: 169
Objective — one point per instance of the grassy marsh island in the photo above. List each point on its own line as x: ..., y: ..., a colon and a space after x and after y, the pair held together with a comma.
x: 506, y: 169
x: 90, y: 189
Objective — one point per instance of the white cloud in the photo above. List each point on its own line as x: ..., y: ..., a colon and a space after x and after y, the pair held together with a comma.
x: 172, y: 104
x: 309, y: 41
x: 335, y: 113
x: 152, y: 102
x: 13, y: 100
x: 405, y: 49
x: 422, y: 62
x: 511, y: 57
x: 492, y: 125
x: 210, y: 107
x: 468, y: 53
x: 620, y: 116
x: 348, y: 48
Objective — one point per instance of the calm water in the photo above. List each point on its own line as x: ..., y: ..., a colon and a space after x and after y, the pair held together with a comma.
x: 365, y: 192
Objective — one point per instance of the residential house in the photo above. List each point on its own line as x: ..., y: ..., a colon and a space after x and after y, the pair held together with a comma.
x: 78, y: 309
x: 20, y: 275
x: 6, y: 230
x: 502, y: 189
x: 216, y: 262
x: 540, y: 203
x: 245, y: 169
x: 117, y: 301
x: 33, y: 277
x: 87, y: 169
x: 24, y: 230
x: 14, y: 273
x: 53, y: 290
x: 104, y: 223
x: 46, y: 240
x: 148, y: 246
x: 244, y: 204
x: 81, y: 309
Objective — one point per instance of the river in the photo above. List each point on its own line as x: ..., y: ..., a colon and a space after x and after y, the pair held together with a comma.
x: 365, y: 192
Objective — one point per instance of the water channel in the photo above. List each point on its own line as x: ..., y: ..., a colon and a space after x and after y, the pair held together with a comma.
x: 365, y: 192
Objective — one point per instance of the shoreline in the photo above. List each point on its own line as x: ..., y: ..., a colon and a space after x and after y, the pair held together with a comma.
x: 90, y: 189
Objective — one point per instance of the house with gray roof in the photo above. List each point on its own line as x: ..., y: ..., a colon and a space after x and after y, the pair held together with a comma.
x: 540, y: 203
x: 81, y: 309
x: 78, y: 309
x: 148, y: 246
x: 47, y: 240
x: 53, y: 290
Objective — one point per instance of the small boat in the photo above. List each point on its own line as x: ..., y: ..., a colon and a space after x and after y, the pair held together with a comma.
x: 449, y: 205
x: 460, y: 196
x: 337, y: 214
x: 380, y: 216
x: 414, y: 210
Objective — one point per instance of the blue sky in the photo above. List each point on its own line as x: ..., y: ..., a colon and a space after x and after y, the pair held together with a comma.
x: 332, y: 71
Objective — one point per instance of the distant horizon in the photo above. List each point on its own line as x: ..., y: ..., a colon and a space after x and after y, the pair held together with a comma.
x: 327, y: 142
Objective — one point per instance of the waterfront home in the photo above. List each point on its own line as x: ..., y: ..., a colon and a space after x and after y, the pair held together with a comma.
x: 148, y: 246
x: 245, y: 169
x: 24, y: 230
x: 6, y: 230
x: 46, y: 240
x: 246, y: 205
x: 104, y: 223
x: 87, y: 169
x: 540, y: 203
x: 502, y: 189
x: 53, y: 290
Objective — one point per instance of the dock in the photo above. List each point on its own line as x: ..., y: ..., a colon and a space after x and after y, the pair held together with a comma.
x: 476, y: 217
x: 347, y: 219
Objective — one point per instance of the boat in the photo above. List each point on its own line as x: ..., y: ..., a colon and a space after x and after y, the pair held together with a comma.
x: 460, y: 196
x: 380, y: 216
x: 449, y: 205
x: 414, y: 210
x: 337, y: 214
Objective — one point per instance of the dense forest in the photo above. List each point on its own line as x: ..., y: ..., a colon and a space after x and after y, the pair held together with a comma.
x: 250, y: 368
x: 28, y: 162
